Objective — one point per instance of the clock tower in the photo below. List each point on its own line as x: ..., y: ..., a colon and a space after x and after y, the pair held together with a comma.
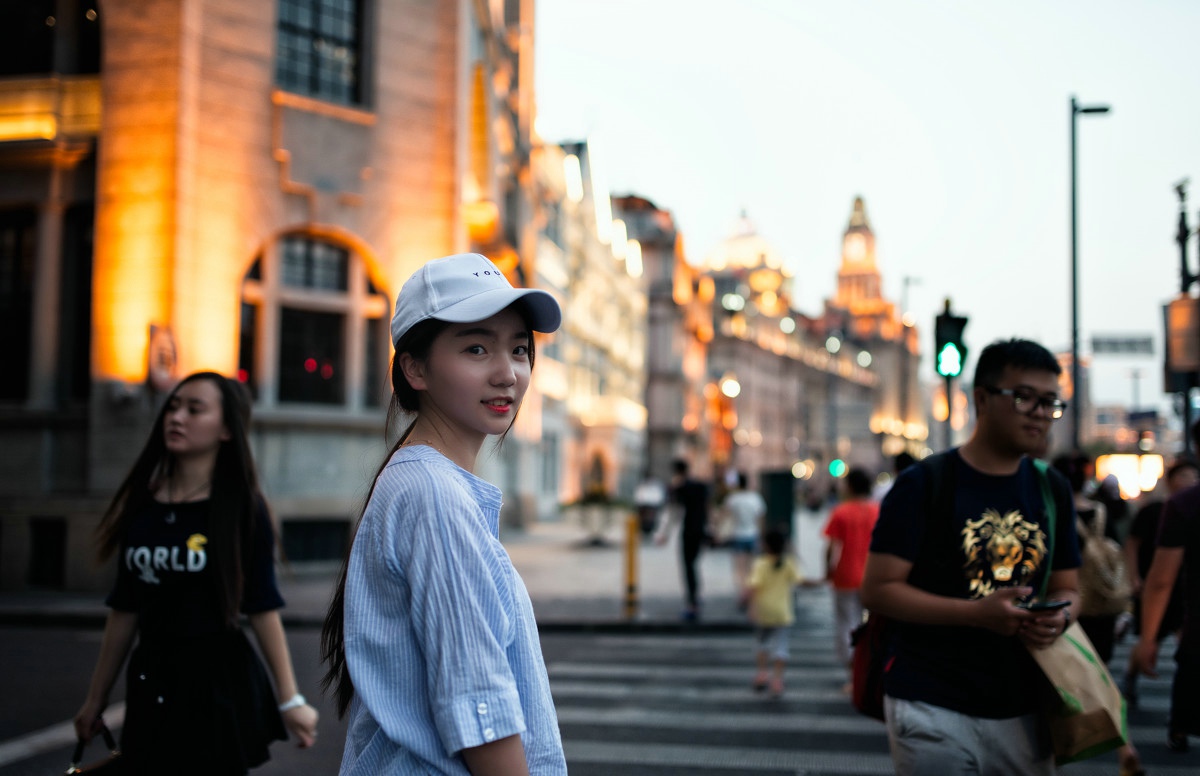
x: 860, y: 315
x: 859, y: 290
x: 858, y: 277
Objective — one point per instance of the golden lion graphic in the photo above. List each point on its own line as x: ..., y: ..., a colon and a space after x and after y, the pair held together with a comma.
x: 1004, y: 549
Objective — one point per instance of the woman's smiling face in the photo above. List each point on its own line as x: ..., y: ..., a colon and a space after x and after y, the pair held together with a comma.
x: 476, y: 375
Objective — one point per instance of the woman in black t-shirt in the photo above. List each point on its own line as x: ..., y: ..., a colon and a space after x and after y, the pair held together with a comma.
x: 195, y: 550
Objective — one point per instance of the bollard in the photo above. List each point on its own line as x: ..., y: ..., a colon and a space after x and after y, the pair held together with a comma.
x: 633, y: 533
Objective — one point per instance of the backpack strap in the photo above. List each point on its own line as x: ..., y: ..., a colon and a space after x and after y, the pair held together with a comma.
x: 1051, y: 507
x: 938, y: 506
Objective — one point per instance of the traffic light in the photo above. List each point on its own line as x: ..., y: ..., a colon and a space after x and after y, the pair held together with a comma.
x: 1145, y: 443
x: 950, y: 353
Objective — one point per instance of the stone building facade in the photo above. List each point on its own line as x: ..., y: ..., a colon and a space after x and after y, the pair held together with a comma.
x: 242, y: 187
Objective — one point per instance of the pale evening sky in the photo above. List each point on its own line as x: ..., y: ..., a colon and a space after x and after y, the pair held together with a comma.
x: 951, y: 119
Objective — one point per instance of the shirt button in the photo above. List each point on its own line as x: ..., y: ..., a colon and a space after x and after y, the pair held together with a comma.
x: 489, y: 735
x: 481, y: 709
x: 142, y: 677
x: 160, y: 700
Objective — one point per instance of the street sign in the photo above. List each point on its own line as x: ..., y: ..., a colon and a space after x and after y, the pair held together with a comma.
x: 1143, y: 418
x: 1138, y: 345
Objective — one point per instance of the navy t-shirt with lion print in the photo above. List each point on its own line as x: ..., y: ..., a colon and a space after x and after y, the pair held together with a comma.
x: 996, y: 537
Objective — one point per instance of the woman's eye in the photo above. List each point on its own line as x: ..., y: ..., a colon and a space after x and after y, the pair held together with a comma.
x: 521, y: 350
x: 476, y: 350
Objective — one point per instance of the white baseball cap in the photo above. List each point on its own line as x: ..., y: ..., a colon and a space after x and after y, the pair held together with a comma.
x: 463, y: 288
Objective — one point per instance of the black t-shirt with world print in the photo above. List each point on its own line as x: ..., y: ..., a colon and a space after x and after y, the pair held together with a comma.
x: 165, y: 572
x: 996, y: 537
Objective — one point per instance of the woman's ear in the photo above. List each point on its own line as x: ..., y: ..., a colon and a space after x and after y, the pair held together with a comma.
x: 413, y: 370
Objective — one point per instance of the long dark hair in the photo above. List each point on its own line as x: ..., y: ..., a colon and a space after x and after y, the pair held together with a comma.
x: 233, y: 499
x: 417, y: 342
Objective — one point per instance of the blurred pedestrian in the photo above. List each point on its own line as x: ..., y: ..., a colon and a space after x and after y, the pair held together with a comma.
x: 769, y: 594
x: 195, y: 550
x: 649, y: 497
x: 744, y: 509
x: 430, y: 640
x: 1178, y: 550
x: 849, y: 533
x: 690, y: 506
x: 900, y: 461
x: 1098, y: 609
x: 961, y: 540
x: 1107, y: 491
x: 1139, y: 548
x: 1103, y: 591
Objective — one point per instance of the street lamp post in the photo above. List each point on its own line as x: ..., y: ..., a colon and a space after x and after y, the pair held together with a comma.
x: 1076, y: 399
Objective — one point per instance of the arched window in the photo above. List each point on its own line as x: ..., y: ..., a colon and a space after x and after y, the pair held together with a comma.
x: 313, y: 327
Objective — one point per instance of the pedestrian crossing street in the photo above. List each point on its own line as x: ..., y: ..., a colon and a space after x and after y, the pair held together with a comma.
x: 679, y: 702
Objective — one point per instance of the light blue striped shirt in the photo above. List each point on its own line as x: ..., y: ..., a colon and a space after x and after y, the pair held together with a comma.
x: 441, y: 641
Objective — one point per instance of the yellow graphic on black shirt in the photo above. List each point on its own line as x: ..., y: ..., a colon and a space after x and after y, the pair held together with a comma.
x: 148, y: 562
x: 1001, y: 550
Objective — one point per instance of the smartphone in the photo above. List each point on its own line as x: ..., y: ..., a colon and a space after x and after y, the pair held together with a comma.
x: 1044, y: 606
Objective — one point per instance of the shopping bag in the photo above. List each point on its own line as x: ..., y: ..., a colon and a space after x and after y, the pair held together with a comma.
x: 869, y: 663
x: 1087, y: 715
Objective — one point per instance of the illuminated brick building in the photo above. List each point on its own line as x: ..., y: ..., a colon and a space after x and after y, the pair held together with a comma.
x: 238, y: 186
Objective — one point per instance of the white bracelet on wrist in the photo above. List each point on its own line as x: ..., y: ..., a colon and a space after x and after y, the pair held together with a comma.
x: 294, y: 702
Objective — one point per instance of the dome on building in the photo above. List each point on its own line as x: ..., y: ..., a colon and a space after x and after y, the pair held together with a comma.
x: 745, y: 248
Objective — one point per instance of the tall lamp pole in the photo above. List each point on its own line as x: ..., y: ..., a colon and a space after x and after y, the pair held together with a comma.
x: 1076, y: 400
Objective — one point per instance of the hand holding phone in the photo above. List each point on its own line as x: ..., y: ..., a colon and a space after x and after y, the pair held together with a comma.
x: 1044, y: 606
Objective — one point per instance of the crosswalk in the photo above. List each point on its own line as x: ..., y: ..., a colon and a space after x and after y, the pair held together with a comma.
x: 680, y: 702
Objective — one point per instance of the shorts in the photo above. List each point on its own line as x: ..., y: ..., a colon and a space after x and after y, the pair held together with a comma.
x: 924, y: 739
x: 773, y: 641
x: 743, y: 545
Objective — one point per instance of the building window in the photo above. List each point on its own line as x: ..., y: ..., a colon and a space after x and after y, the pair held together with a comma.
x: 75, y: 300
x: 39, y: 37
x: 311, y: 356
x: 309, y: 302
x: 18, y: 247
x: 320, y: 49
x: 550, y: 453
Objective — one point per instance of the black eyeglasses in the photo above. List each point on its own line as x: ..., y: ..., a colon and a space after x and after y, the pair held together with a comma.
x: 1026, y: 401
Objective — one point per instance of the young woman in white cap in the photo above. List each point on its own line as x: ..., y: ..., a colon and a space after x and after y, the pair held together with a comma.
x: 430, y: 639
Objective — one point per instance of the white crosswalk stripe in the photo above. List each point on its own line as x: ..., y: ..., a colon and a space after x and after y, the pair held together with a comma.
x: 681, y: 702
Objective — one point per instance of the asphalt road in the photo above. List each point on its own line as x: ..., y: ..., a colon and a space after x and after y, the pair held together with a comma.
x: 44, y: 674
x: 649, y: 703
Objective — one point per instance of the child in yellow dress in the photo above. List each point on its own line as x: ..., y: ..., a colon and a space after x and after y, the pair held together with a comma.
x: 769, y: 591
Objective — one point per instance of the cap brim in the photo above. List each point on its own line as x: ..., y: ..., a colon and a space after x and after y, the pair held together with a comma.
x: 543, y: 311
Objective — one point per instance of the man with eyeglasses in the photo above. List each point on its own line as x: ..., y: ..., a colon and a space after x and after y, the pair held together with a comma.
x: 961, y: 542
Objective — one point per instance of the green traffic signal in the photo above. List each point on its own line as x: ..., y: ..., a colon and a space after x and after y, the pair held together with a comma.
x: 950, y: 351
x: 949, y: 360
x: 837, y: 468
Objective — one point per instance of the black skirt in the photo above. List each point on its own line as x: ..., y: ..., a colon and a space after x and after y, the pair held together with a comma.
x: 202, y: 706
